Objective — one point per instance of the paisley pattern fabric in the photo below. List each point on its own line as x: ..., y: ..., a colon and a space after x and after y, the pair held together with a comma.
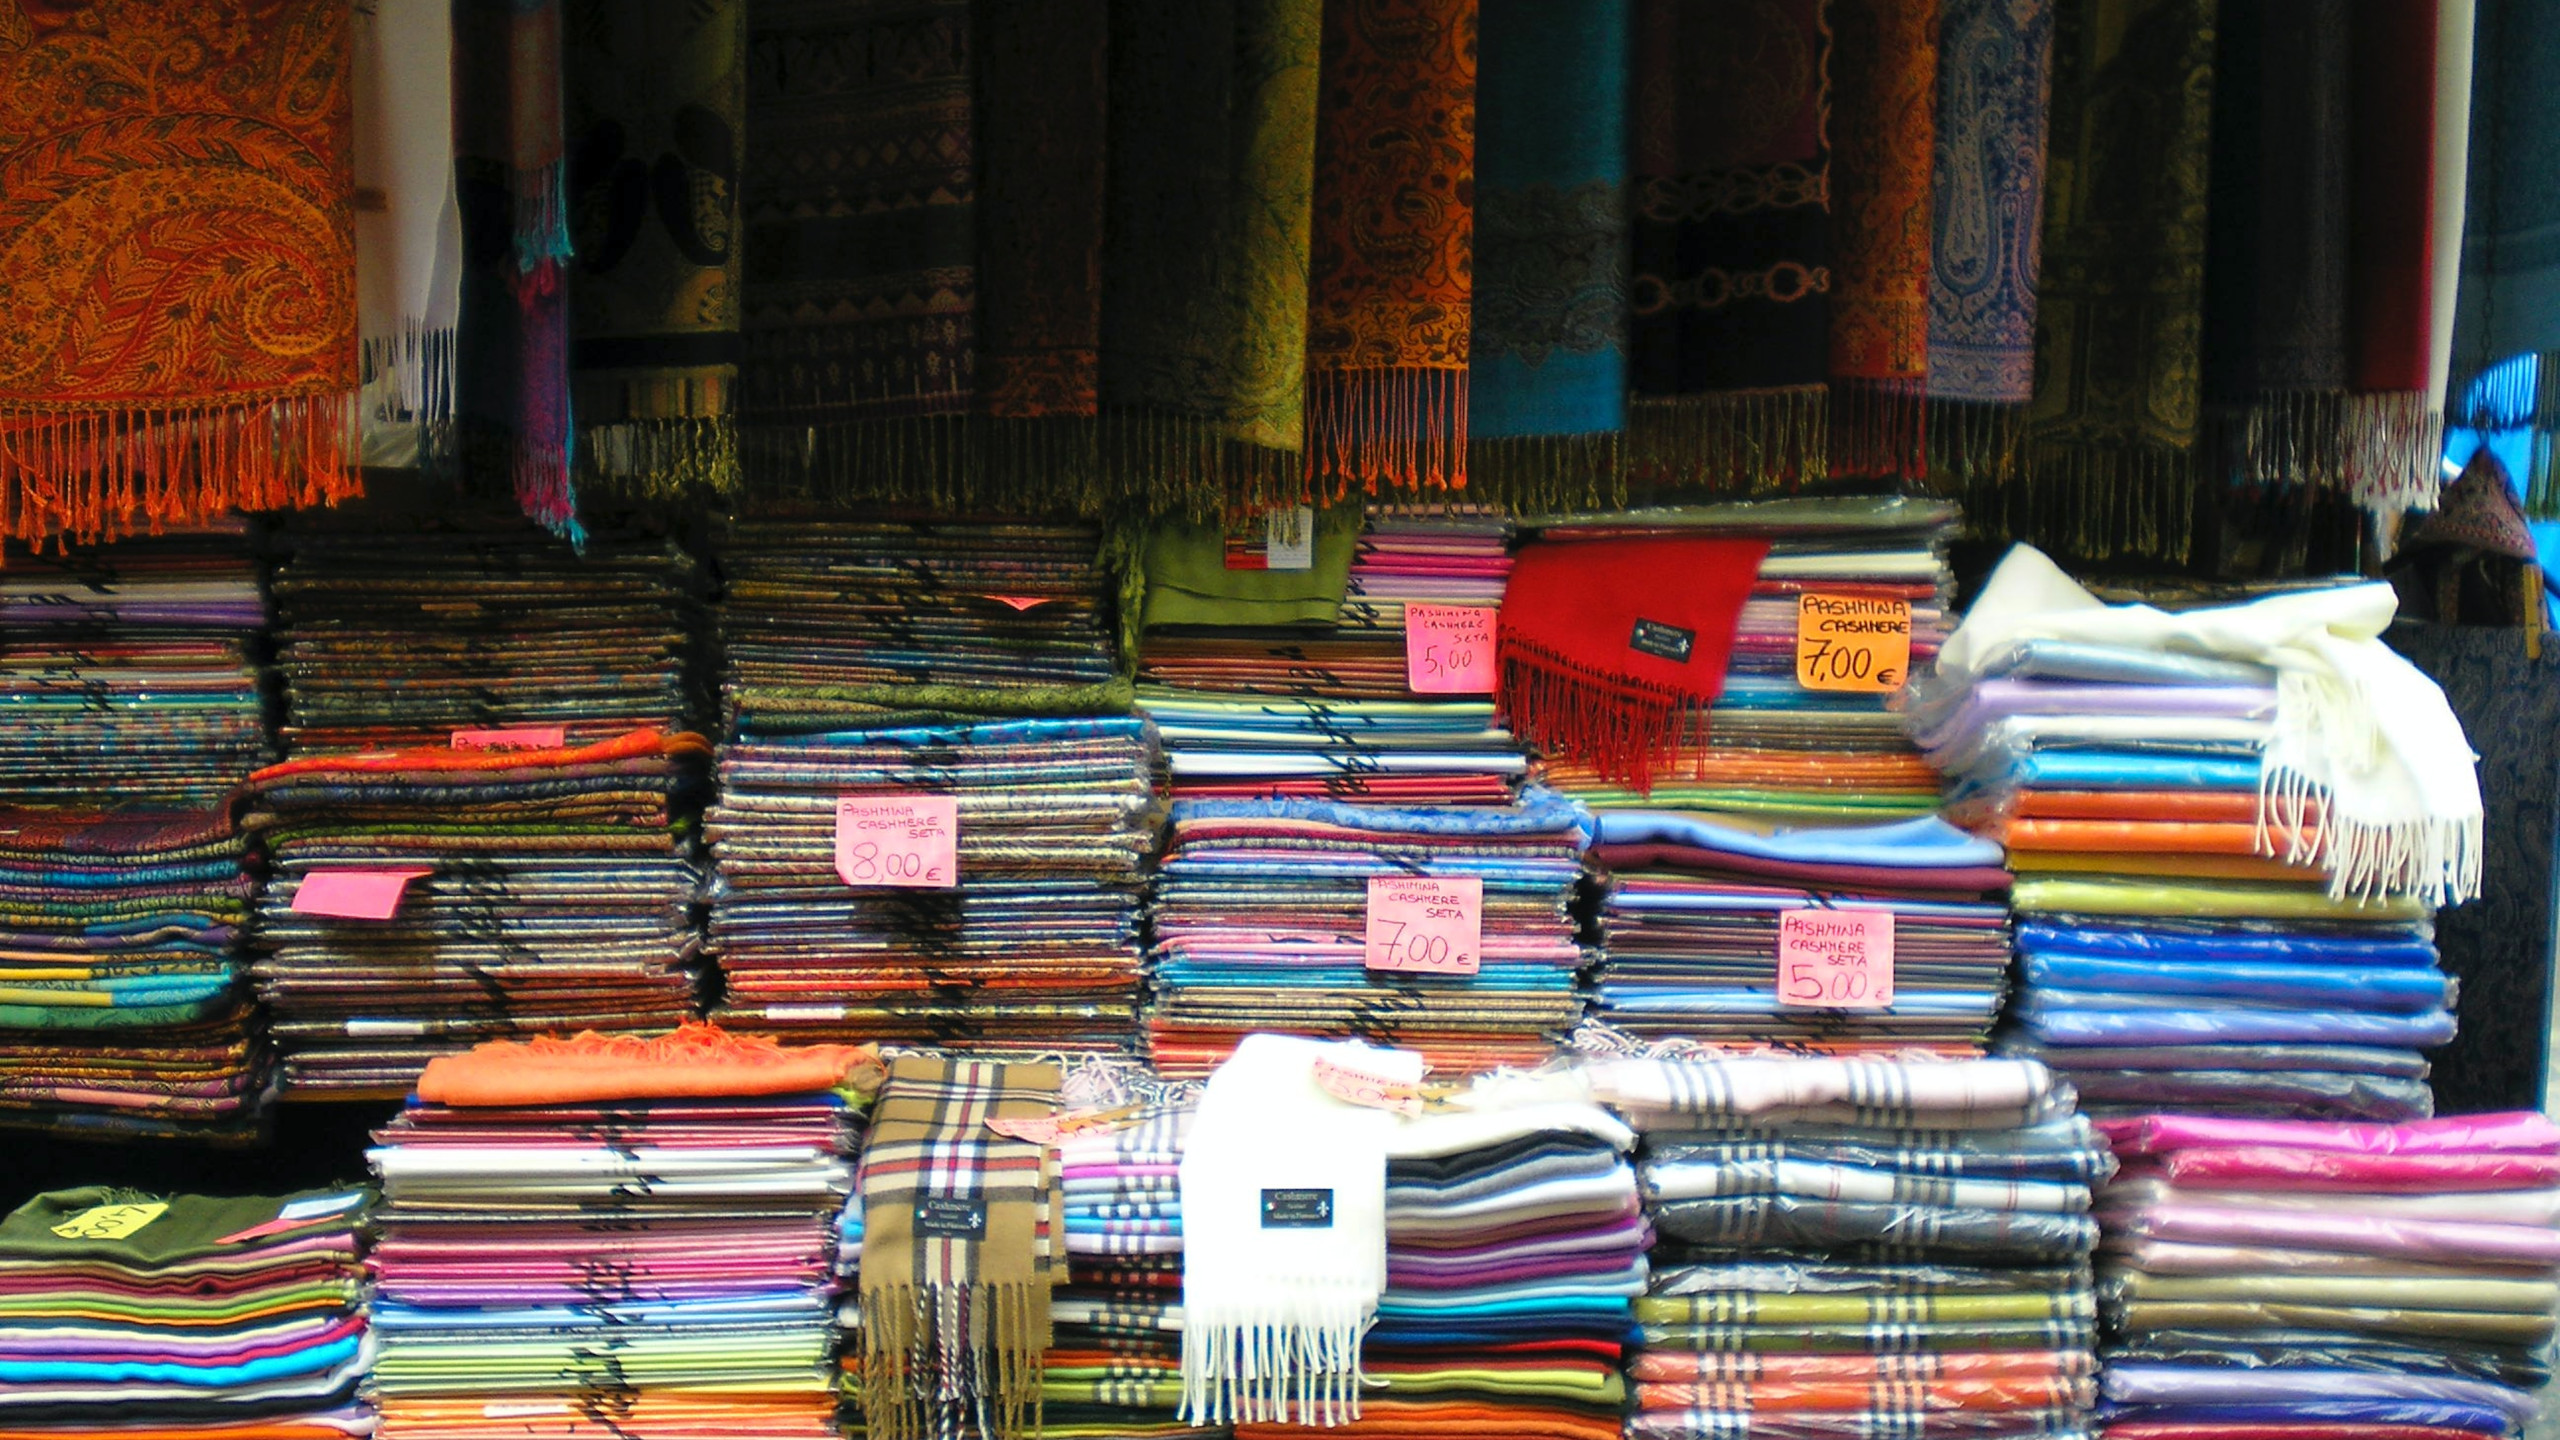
x: 2105, y: 465
x: 1884, y: 126
x: 1547, y: 375
x: 1393, y: 245
x: 1987, y: 198
x: 177, y: 267
x: 1730, y: 297
x: 1041, y: 72
x: 1210, y: 185
x: 657, y: 121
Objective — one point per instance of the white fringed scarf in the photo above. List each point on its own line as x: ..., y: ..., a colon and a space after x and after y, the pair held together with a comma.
x: 2359, y: 732
x: 1273, y: 1313
x: 408, y: 224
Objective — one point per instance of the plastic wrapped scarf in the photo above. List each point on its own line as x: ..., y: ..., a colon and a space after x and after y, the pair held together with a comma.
x: 657, y: 119
x: 1546, y: 382
x: 1884, y: 71
x: 177, y: 276
x: 1995, y: 83
x: 1389, y: 285
x: 513, y: 347
x: 1731, y: 230
x: 2105, y: 464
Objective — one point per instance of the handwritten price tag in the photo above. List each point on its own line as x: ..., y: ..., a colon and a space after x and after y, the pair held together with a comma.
x: 1050, y: 1129
x: 353, y: 894
x: 1849, y: 642
x: 1448, y: 649
x: 1355, y: 1086
x: 526, y: 737
x: 911, y: 841
x: 1836, y: 959
x: 1424, y: 925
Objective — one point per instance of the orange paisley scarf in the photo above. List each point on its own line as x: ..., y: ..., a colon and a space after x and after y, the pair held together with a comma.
x: 177, y: 262
x: 1389, y: 289
x: 1884, y: 131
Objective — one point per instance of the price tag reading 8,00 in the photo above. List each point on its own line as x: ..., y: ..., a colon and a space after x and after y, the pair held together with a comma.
x: 910, y: 840
x: 1424, y: 925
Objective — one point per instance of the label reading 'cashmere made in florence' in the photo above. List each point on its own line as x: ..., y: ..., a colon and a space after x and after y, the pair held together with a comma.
x: 1448, y: 649
x: 905, y: 840
x: 948, y: 1219
x: 1425, y: 924
x: 1836, y: 959
x: 1297, y: 1209
x: 1663, y: 642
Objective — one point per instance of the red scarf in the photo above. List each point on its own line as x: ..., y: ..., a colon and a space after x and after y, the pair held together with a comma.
x: 1606, y: 644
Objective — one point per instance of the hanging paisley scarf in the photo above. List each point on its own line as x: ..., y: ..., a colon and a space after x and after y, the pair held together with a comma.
x: 408, y: 229
x: 1732, y: 203
x: 1987, y: 213
x: 1211, y: 177
x: 2394, y: 429
x: 657, y: 104
x: 859, y: 316
x: 1546, y: 382
x: 513, y: 407
x: 1884, y: 124
x: 177, y: 268
x: 1041, y: 75
x: 2105, y: 465
x: 2275, y: 332
x: 1393, y: 245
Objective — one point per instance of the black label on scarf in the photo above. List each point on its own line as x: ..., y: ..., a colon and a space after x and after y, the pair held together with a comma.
x: 1297, y: 1209
x: 1663, y: 642
x: 951, y: 1219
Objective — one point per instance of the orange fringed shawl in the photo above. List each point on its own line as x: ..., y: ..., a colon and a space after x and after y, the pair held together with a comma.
x: 694, y: 1062
x: 177, y: 262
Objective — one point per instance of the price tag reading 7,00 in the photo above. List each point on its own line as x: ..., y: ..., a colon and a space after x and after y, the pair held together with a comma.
x: 911, y: 841
x: 1852, y: 642
x: 1424, y: 925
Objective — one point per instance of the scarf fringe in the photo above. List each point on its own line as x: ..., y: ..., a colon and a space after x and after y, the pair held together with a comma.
x: 1973, y: 444
x: 2437, y: 858
x: 1748, y: 442
x: 1879, y: 428
x: 2395, y: 450
x: 661, y: 459
x: 540, y: 197
x: 1402, y: 427
x: 1194, y: 465
x: 2285, y: 437
x: 96, y: 475
x: 1294, y: 1360
x: 936, y: 1351
x: 2093, y: 499
x: 1548, y: 474
x: 1625, y: 728
x: 407, y: 375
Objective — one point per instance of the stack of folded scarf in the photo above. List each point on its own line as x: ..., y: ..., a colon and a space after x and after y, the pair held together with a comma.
x: 1276, y: 682
x: 1769, y: 746
x: 391, y: 640
x: 183, y: 1315
x: 1115, y: 1367
x: 833, y: 624
x: 515, y: 891
x: 2297, y: 1277
x: 1035, y: 945
x: 127, y: 675
x: 1260, y: 923
x: 2196, y: 929
x: 121, y: 1012
x: 1691, y: 913
x: 612, y: 1236
x: 1862, y: 1248
x: 1515, y: 1247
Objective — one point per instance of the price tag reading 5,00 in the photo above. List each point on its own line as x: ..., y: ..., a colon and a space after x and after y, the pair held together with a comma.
x: 911, y: 841
x: 1425, y: 926
x: 1836, y: 959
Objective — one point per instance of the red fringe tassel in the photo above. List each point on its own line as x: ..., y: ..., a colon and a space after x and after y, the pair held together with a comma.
x: 1562, y: 707
x: 1403, y: 428
x: 1879, y: 429
x: 96, y: 475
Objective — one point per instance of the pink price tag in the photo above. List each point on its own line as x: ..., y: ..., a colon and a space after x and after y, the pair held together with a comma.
x: 911, y: 841
x: 353, y: 894
x: 1050, y: 1129
x: 526, y: 737
x: 1836, y: 959
x: 1355, y: 1086
x: 1448, y: 649
x: 1425, y: 925
x: 1022, y: 602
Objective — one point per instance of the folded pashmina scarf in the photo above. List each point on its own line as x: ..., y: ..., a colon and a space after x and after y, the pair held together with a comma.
x: 177, y: 267
x: 1390, y: 279
x: 691, y: 1060
x: 962, y: 1242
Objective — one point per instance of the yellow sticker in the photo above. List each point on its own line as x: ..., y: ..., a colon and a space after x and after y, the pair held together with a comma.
x: 1851, y: 642
x: 110, y: 1222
